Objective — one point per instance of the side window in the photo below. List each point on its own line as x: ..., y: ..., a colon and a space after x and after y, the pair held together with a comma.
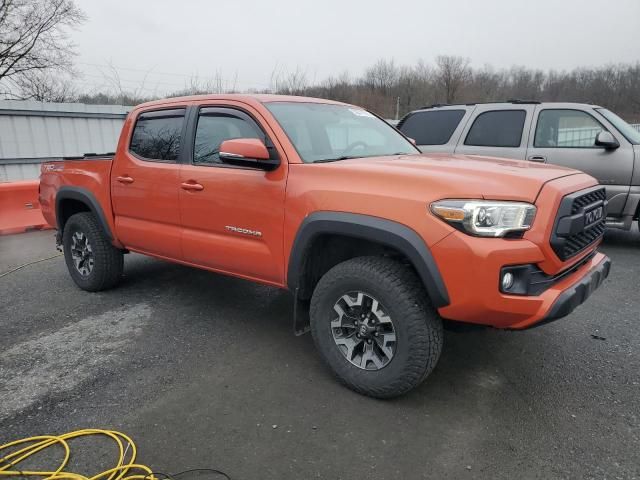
x: 432, y: 128
x: 215, y: 128
x: 156, y: 136
x: 566, y: 129
x: 500, y: 128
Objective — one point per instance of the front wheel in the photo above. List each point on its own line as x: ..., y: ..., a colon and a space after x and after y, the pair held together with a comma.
x: 94, y: 264
x: 374, y: 327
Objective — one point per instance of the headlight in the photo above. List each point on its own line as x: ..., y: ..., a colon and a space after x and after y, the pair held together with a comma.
x: 486, y: 218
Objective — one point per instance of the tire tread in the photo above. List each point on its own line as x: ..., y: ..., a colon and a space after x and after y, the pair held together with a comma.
x: 108, y: 260
x: 422, y: 322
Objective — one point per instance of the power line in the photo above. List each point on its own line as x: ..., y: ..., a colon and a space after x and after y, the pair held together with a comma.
x: 151, y: 71
x: 128, y: 80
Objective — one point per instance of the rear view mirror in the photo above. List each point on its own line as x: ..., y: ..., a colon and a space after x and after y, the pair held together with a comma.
x: 606, y: 140
x: 247, y: 152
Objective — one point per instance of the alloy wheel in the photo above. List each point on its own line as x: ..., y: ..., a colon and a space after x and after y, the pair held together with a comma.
x: 363, y: 331
x: 82, y: 254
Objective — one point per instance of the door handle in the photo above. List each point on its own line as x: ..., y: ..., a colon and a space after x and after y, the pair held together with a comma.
x: 196, y: 187
x: 538, y: 158
x: 125, y: 179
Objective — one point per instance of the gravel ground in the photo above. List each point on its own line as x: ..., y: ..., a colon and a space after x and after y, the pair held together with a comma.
x: 202, y: 370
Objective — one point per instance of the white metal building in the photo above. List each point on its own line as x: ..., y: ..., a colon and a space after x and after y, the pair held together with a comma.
x: 33, y: 132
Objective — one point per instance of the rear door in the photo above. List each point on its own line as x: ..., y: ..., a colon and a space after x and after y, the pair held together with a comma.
x: 232, y: 216
x: 145, y: 184
x: 497, y: 131
x: 435, y: 130
x: 566, y: 136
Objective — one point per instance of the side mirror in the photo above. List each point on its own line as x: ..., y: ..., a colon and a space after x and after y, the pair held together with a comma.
x: 606, y: 140
x: 412, y: 140
x: 247, y: 152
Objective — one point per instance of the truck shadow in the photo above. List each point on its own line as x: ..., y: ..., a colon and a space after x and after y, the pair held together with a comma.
x: 471, y: 364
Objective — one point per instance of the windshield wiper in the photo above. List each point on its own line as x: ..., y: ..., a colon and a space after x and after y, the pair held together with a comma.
x: 328, y: 160
x: 348, y: 157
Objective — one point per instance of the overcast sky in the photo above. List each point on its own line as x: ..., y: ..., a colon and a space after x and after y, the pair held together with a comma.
x: 169, y: 41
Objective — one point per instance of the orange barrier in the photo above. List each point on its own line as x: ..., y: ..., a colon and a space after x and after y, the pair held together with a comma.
x: 19, y: 207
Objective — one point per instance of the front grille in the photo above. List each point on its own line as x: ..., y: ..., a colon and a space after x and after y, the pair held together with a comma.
x: 587, y: 199
x: 578, y: 242
x: 570, y: 235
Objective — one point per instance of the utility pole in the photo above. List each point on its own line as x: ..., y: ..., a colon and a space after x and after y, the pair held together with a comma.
x: 398, y: 108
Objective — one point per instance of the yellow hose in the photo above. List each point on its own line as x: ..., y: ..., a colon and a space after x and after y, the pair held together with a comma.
x: 20, y: 450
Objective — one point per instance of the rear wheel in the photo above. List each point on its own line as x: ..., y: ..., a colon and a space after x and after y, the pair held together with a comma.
x: 373, y: 325
x: 94, y: 264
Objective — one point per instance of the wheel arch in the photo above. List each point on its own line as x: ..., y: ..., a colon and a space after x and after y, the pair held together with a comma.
x: 368, y: 232
x: 72, y: 200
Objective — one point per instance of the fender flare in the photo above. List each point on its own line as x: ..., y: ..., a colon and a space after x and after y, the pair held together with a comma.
x: 380, y: 230
x: 86, y: 197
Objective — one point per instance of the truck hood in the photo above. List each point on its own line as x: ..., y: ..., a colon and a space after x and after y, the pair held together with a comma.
x: 458, y: 176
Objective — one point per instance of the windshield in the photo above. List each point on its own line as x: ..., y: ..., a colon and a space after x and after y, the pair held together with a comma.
x: 324, y: 132
x: 623, y: 127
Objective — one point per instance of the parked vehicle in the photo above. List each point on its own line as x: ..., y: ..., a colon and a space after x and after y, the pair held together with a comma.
x: 585, y: 137
x: 376, y: 242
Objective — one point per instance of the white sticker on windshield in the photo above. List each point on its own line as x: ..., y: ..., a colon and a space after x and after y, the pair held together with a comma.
x: 361, y: 113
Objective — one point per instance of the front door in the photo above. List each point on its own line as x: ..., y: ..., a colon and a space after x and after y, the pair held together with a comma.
x: 232, y: 217
x: 567, y: 137
x: 145, y: 185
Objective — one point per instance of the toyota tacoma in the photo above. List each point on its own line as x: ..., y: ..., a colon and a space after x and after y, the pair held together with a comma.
x: 377, y: 243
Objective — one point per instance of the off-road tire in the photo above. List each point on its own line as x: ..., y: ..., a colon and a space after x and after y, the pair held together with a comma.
x: 417, y: 325
x: 108, y: 261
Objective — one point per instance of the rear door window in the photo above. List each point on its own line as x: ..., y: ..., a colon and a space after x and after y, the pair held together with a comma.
x: 498, y: 128
x: 432, y: 128
x: 157, y: 135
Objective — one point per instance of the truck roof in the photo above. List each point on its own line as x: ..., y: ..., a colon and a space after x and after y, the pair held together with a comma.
x: 242, y: 97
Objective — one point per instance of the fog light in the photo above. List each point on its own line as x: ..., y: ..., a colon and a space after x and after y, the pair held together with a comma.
x: 507, y: 281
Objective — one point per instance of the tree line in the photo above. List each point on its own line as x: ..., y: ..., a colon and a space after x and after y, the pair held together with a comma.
x: 391, y: 89
x: 36, y: 62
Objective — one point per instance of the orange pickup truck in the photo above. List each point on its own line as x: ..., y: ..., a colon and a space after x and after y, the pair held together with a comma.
x: 377, y: 242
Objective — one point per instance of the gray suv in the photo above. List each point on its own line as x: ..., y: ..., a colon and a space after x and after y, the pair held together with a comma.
x: 580, y: 136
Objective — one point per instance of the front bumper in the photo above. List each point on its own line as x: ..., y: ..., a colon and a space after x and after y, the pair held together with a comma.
x: 470, y: 267
x: 578, y: 293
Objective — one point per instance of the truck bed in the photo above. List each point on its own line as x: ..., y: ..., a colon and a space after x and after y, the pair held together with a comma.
x: 89, y: 175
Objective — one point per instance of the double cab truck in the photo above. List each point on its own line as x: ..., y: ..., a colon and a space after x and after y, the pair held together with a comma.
x: 377, y: 243
x: 581, y: 136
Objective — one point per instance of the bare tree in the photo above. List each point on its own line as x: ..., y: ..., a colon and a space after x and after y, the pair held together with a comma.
x: 34, y: 38
x: 453, y: 73
x: 484, y: 86
x: 126, y: 95
x: 524, y: 84
x: 201, y: 86
x: 381, y: 76
x: 289, y: 83
x: 46, y: 88
x: 335, y: 88
x: 385, y: 86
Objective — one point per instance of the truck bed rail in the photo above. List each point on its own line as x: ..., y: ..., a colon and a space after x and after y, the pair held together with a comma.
x: 91, y: 156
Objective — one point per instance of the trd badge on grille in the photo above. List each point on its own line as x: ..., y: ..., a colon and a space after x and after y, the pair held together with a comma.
x: 593, y: 216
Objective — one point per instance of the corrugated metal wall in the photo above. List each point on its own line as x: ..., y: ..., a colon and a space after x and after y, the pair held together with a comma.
x: 33, y: 132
